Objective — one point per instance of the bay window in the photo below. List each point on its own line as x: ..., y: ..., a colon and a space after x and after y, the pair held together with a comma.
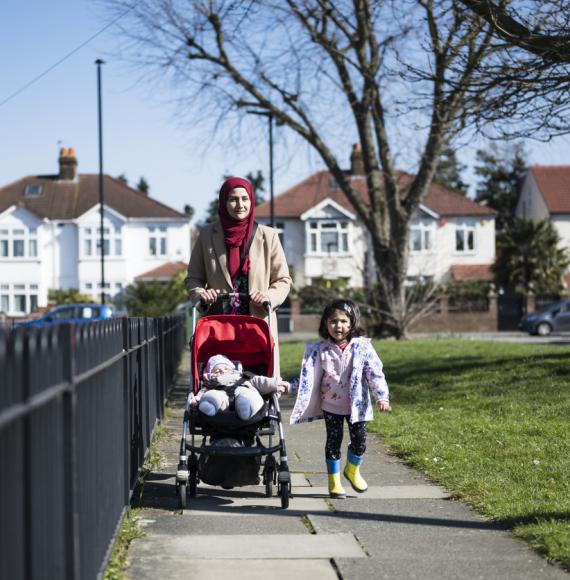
x: 422, y: 236
x: 329, y: 237
x: 18, y: 243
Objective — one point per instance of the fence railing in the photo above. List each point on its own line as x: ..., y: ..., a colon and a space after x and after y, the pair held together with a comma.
x: 78, y: 405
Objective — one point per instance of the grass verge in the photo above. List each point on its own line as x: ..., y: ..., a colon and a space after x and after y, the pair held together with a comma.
x: 130, y: 529
x: 489, y: 421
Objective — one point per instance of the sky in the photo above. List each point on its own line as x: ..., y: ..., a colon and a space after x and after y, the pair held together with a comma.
x: 142, y: 134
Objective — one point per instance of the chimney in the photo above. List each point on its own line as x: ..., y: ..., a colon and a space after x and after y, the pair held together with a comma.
x: 356, y: 160
x: 67, y: 164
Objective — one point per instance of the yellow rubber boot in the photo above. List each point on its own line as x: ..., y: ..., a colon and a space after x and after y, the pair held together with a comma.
x: 352, y: 472
x: 336, y: 491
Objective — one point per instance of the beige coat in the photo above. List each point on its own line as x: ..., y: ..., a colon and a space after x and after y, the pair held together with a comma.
x: 268, y: 270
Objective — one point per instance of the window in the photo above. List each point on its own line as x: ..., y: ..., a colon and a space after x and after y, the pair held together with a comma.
x: 422, y: 236
x: 4, y: 298
x: 18, y: 298
x: 329, y: 237
x: 91, y: 243
x: 18, y: 243
x: 33, y: 190
x: 465, y: 237
x: 157, y: 241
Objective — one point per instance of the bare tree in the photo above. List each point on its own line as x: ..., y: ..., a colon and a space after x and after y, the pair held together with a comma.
x: 544, y: 30
x: 379, y: 72
x: 529, y: 97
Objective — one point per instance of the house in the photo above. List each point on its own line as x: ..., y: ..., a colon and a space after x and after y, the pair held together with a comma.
x: 50, y: 236
x: 545, y: 194
x: 451, y: 238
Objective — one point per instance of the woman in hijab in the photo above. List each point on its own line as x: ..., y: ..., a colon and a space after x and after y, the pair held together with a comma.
x: 221, y: 261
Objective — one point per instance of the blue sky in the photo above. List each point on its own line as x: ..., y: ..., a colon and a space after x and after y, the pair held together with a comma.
x: 142, y: 134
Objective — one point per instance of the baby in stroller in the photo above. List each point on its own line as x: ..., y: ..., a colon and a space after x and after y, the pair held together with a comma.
x: 225, y: 382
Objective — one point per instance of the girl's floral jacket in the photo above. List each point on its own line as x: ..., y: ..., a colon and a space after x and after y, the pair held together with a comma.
x: 366, y: 374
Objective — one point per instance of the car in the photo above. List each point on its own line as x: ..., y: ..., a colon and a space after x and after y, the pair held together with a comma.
x: 553, y: 318
x: 69, y: 313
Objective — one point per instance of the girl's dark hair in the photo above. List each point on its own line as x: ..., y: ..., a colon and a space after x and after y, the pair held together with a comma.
x: 350, y: 309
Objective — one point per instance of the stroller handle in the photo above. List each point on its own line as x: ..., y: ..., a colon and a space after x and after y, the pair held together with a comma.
x: 240, y: 295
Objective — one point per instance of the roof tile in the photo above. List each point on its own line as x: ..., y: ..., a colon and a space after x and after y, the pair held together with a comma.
x: 309, y: 192
x: 65, y: 200
x: 554, y: 184
x: 162, y: 272
x: 471, y: 272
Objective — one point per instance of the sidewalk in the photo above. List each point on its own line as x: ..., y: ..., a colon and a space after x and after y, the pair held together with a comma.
x: 403, y: 527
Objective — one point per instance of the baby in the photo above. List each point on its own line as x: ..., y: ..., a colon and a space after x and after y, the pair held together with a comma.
x: 222, y: 378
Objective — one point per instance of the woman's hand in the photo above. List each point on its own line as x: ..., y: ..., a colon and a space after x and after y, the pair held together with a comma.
x: 384, y: 405
x: 192, y: 401
x: 209, y: 295
x: 258, y: 297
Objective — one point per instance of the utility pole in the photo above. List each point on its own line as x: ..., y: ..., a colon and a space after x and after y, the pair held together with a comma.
x: 269, y: 116
x: 99, y: 62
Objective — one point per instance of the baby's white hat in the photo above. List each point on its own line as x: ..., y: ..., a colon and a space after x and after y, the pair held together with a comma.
x: 218, y: 359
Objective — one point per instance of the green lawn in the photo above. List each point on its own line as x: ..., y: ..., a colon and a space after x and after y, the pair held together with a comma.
x: 488, y: 420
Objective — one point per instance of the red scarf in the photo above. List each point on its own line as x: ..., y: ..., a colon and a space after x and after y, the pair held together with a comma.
x: 236, y: 232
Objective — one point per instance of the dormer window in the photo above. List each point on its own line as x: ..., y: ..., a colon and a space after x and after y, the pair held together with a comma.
x: 33, y: 190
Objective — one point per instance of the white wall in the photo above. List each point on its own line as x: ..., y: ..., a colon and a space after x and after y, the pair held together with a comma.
x: 62, y: 263
x: 531, y: 204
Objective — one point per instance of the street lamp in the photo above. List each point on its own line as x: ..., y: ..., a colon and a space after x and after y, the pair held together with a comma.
x: 269, y: 116
x: 99, y: 62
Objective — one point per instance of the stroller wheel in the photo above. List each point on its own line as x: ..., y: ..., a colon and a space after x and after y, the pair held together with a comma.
x: 269, y: 475
x: 182, y: 495
x: 284, y: 493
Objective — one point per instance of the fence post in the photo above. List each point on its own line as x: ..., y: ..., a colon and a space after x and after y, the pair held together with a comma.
x: 67, y: 336
x: 126, y: 407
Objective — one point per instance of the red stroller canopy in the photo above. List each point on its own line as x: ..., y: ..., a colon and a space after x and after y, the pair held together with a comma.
x: 241, y: 338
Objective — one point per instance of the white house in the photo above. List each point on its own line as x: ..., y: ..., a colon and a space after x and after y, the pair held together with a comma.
x: 452, y: 237
x: 545, y: 194
x: 50, y: 236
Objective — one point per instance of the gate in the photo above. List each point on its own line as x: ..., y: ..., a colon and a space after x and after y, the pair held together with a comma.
x: 511, y: 308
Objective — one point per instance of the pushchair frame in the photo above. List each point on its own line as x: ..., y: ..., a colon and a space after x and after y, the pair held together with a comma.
x: 267, y: 423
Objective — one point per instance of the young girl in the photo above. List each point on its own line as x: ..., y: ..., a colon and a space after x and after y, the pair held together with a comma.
x: 336, y: 376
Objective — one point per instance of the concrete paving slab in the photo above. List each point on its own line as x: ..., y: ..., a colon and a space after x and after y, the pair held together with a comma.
x: 216, y: 506
x: 234, y: 569
x: 187, y: 548
x: 258, y: 570
x: 203, y: 522
x: 381, y: 492
x: 430, y: 539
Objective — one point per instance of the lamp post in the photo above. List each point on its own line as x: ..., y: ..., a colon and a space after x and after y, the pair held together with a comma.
x: 99, y: 62
x: 269, y: 116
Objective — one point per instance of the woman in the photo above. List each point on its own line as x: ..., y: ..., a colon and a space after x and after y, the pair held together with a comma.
x: 221, y: 261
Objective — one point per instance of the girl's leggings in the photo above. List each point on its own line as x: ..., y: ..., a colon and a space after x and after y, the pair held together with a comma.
x: 334, y: 425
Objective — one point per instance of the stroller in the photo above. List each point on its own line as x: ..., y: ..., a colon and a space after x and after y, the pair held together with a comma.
x: 231, y: 452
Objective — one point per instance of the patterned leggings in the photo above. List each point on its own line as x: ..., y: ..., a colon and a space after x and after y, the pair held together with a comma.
x: 334, y: 425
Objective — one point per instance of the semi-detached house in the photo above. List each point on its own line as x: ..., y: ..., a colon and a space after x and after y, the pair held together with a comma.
x: 452, y: 238
x: 50, y: 236
x: 545, y: 194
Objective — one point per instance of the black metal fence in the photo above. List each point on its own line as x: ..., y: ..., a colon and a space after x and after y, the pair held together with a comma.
x: 78, y: 405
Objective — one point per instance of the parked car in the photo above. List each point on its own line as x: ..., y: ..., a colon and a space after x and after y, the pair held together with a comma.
x: 69, y: 313
x: 553, y: 318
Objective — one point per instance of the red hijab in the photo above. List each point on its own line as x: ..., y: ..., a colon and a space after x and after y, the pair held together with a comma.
x: 236, y: 232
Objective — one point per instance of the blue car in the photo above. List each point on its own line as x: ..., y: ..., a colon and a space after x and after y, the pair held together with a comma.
x: 69, y: 313
x: 553, y: 318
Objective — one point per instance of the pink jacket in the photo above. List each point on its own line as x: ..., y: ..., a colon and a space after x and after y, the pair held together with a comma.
x: 363, y: 372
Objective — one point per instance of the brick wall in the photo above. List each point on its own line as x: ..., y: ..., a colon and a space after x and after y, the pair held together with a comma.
x: 442, y: 321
